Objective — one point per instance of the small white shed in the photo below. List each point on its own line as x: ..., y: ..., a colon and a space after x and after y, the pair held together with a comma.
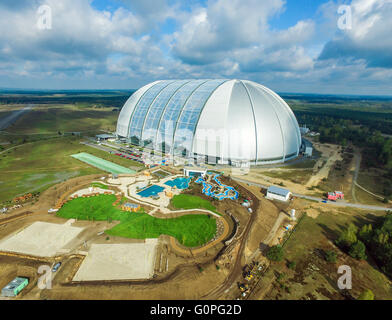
x: 278, y: 193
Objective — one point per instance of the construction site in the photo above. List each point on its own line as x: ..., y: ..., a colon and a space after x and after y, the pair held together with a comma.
x: 167, y: 232
x: 92, y: 256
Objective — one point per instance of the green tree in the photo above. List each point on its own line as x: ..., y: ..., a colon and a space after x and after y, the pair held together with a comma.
x: 358, y: 251
x: 331, y: 256
x: 382, y: 238
x: 348, y: 237
x: 366, y: 295
x: 365, y: 233
x: 275, y: 253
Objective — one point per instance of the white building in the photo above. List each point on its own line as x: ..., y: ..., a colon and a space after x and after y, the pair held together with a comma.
x: 308, y: 151
x: 304, y: 130
x: 220, y: 121
x: 276, y: 193
x: 306, y: 148
x: 194, y: 171
x: 104, y: 136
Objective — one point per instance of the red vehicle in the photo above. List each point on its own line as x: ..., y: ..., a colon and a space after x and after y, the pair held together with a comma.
x: 339, y: 194
x: 335, y: 195
x: 331, y: 196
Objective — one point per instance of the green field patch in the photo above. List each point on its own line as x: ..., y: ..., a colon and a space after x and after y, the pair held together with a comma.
x: 99, y: 185
x: 316, y: 234
x: 41, y: 164
x: 190, y: 230
x: 305, y: 164
x: 101, y: 163
x: 188, y: 201
x: 49, y: 119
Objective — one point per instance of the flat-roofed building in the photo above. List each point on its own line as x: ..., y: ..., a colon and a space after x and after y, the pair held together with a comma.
x: 14, y: 287
x: 278, y: 193
x: 105, y: 136
x: 191, y: 171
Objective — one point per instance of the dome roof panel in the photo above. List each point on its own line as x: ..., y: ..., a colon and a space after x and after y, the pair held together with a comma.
x: 243, y: 120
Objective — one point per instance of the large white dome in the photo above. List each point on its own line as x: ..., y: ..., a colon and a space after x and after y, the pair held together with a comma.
x: 229, y: 120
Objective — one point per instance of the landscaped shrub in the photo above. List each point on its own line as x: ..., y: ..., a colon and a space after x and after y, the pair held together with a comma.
x: 330, y: 256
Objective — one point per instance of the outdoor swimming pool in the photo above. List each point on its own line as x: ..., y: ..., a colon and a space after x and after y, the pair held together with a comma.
x: 151, y: 191
x: 180, y: 183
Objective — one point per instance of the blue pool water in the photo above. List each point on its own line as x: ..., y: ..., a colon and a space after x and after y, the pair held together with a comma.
x: 180, y: 183
x: 220, y: 196
x: 151, y: 191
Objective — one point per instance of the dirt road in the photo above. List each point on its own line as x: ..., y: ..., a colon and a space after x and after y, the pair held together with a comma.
x: 357, y: 161
x: 274, y: 229
x: 337, y: 203
x: 331, y: 153
x: 236, y: 271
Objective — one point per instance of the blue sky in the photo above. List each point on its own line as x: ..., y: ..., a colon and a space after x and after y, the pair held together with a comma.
x: 287, y: 45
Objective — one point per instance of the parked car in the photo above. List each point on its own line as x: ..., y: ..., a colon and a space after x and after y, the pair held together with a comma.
x: 56, y: 266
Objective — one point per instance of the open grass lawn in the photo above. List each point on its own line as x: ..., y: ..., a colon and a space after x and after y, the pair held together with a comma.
x: 364, y: 197
x: 37, y: 166
x: 187, y: 201
x: 339, y: 178
x: 374, y: 181
x: 46, y: 120
x: 315, y: 278
x: 42, y: 162
x: 44, y: 159
x: 49, y: 119
x: 190, y: 230
x: 300, y: 176
x: 305, y: 164
x: 99, y: 208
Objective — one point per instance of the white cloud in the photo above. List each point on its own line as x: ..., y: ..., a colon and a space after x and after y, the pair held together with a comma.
x: 233, y: 39
x: 208, y: 33
x: 81, y: 38
x: 369, y: 38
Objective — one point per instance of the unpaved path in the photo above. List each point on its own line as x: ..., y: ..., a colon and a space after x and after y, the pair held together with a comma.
x: 357, y: 161
x: 272, y: 233
x: 230, y: 280
x: 371, y: 193
x: 331, y: 154
x: 341, y: 203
